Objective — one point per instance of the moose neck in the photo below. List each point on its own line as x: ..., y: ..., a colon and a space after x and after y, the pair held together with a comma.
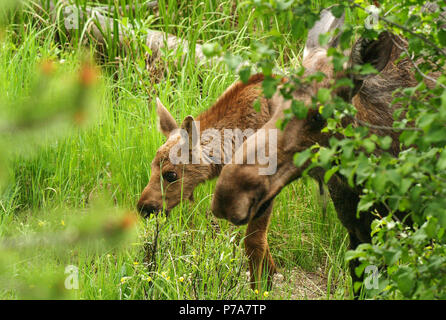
x: 374, y: 100
x: 235, y: 110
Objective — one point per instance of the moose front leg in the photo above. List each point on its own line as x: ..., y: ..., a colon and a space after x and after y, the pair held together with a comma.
x: 257, y: 250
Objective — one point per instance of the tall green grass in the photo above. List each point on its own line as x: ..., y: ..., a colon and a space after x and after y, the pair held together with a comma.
x: 189, y: 255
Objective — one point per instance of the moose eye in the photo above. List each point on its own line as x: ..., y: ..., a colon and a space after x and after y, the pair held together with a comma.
x: 317, y: 117
x: 170, y: 176
x: 317, y: 121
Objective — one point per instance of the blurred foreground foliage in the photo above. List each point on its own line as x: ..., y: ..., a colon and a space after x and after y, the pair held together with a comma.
x: 40, y: 259
x: 39, y: 254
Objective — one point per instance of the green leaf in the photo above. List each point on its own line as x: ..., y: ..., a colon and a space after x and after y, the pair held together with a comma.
x: 426, y: 120
x: 405, y: 279
x: 244, y: 74
x: 301, y: 157
x: 379, y: 182
x: 385, y: 142
x: 349, y: 131
x: 360, y: 270
x: 326, y: 155
x: 354, y: 254
x: 364, y: 204
x: 368, y: 69
x: 357, y: 285
x: 409, y: 137
x: 326, y: 110
x: 345, y: 38
x: 269, y: 86
x: 369, y: 145
x: 299, y: 109
x: 323, y: 39
x: 441, y: 163
x: 323, y: 95
x: 391, y: 256
x: 435, y: 134
x: 442, y: 37
x: 257, y: 105
x: 329, y: 173
x: 337, y: 11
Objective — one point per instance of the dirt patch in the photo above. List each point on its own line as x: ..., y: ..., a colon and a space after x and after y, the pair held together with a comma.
x: 298, y: 284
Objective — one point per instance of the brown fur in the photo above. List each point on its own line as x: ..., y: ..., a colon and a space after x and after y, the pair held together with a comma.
x: 234, y: 109
x: 372, y: 102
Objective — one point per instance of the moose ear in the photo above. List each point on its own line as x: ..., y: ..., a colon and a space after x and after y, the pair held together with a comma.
x: 375, y: 52
x: 166, y: 122
x: 191, y: 127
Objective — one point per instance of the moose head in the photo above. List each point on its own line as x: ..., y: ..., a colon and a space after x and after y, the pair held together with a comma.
x: 241, y: 194
x: 171, y: 181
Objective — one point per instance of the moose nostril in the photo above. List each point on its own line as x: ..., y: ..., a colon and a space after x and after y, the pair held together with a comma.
x: 240, y: 222
x: 217, y: 214
x: 147, y: 209
x: 215, y: 209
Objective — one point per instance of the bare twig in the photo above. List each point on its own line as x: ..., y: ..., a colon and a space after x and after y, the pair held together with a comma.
x: 415, y: 34
x: 415, y: 65
x: 372, y: 126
